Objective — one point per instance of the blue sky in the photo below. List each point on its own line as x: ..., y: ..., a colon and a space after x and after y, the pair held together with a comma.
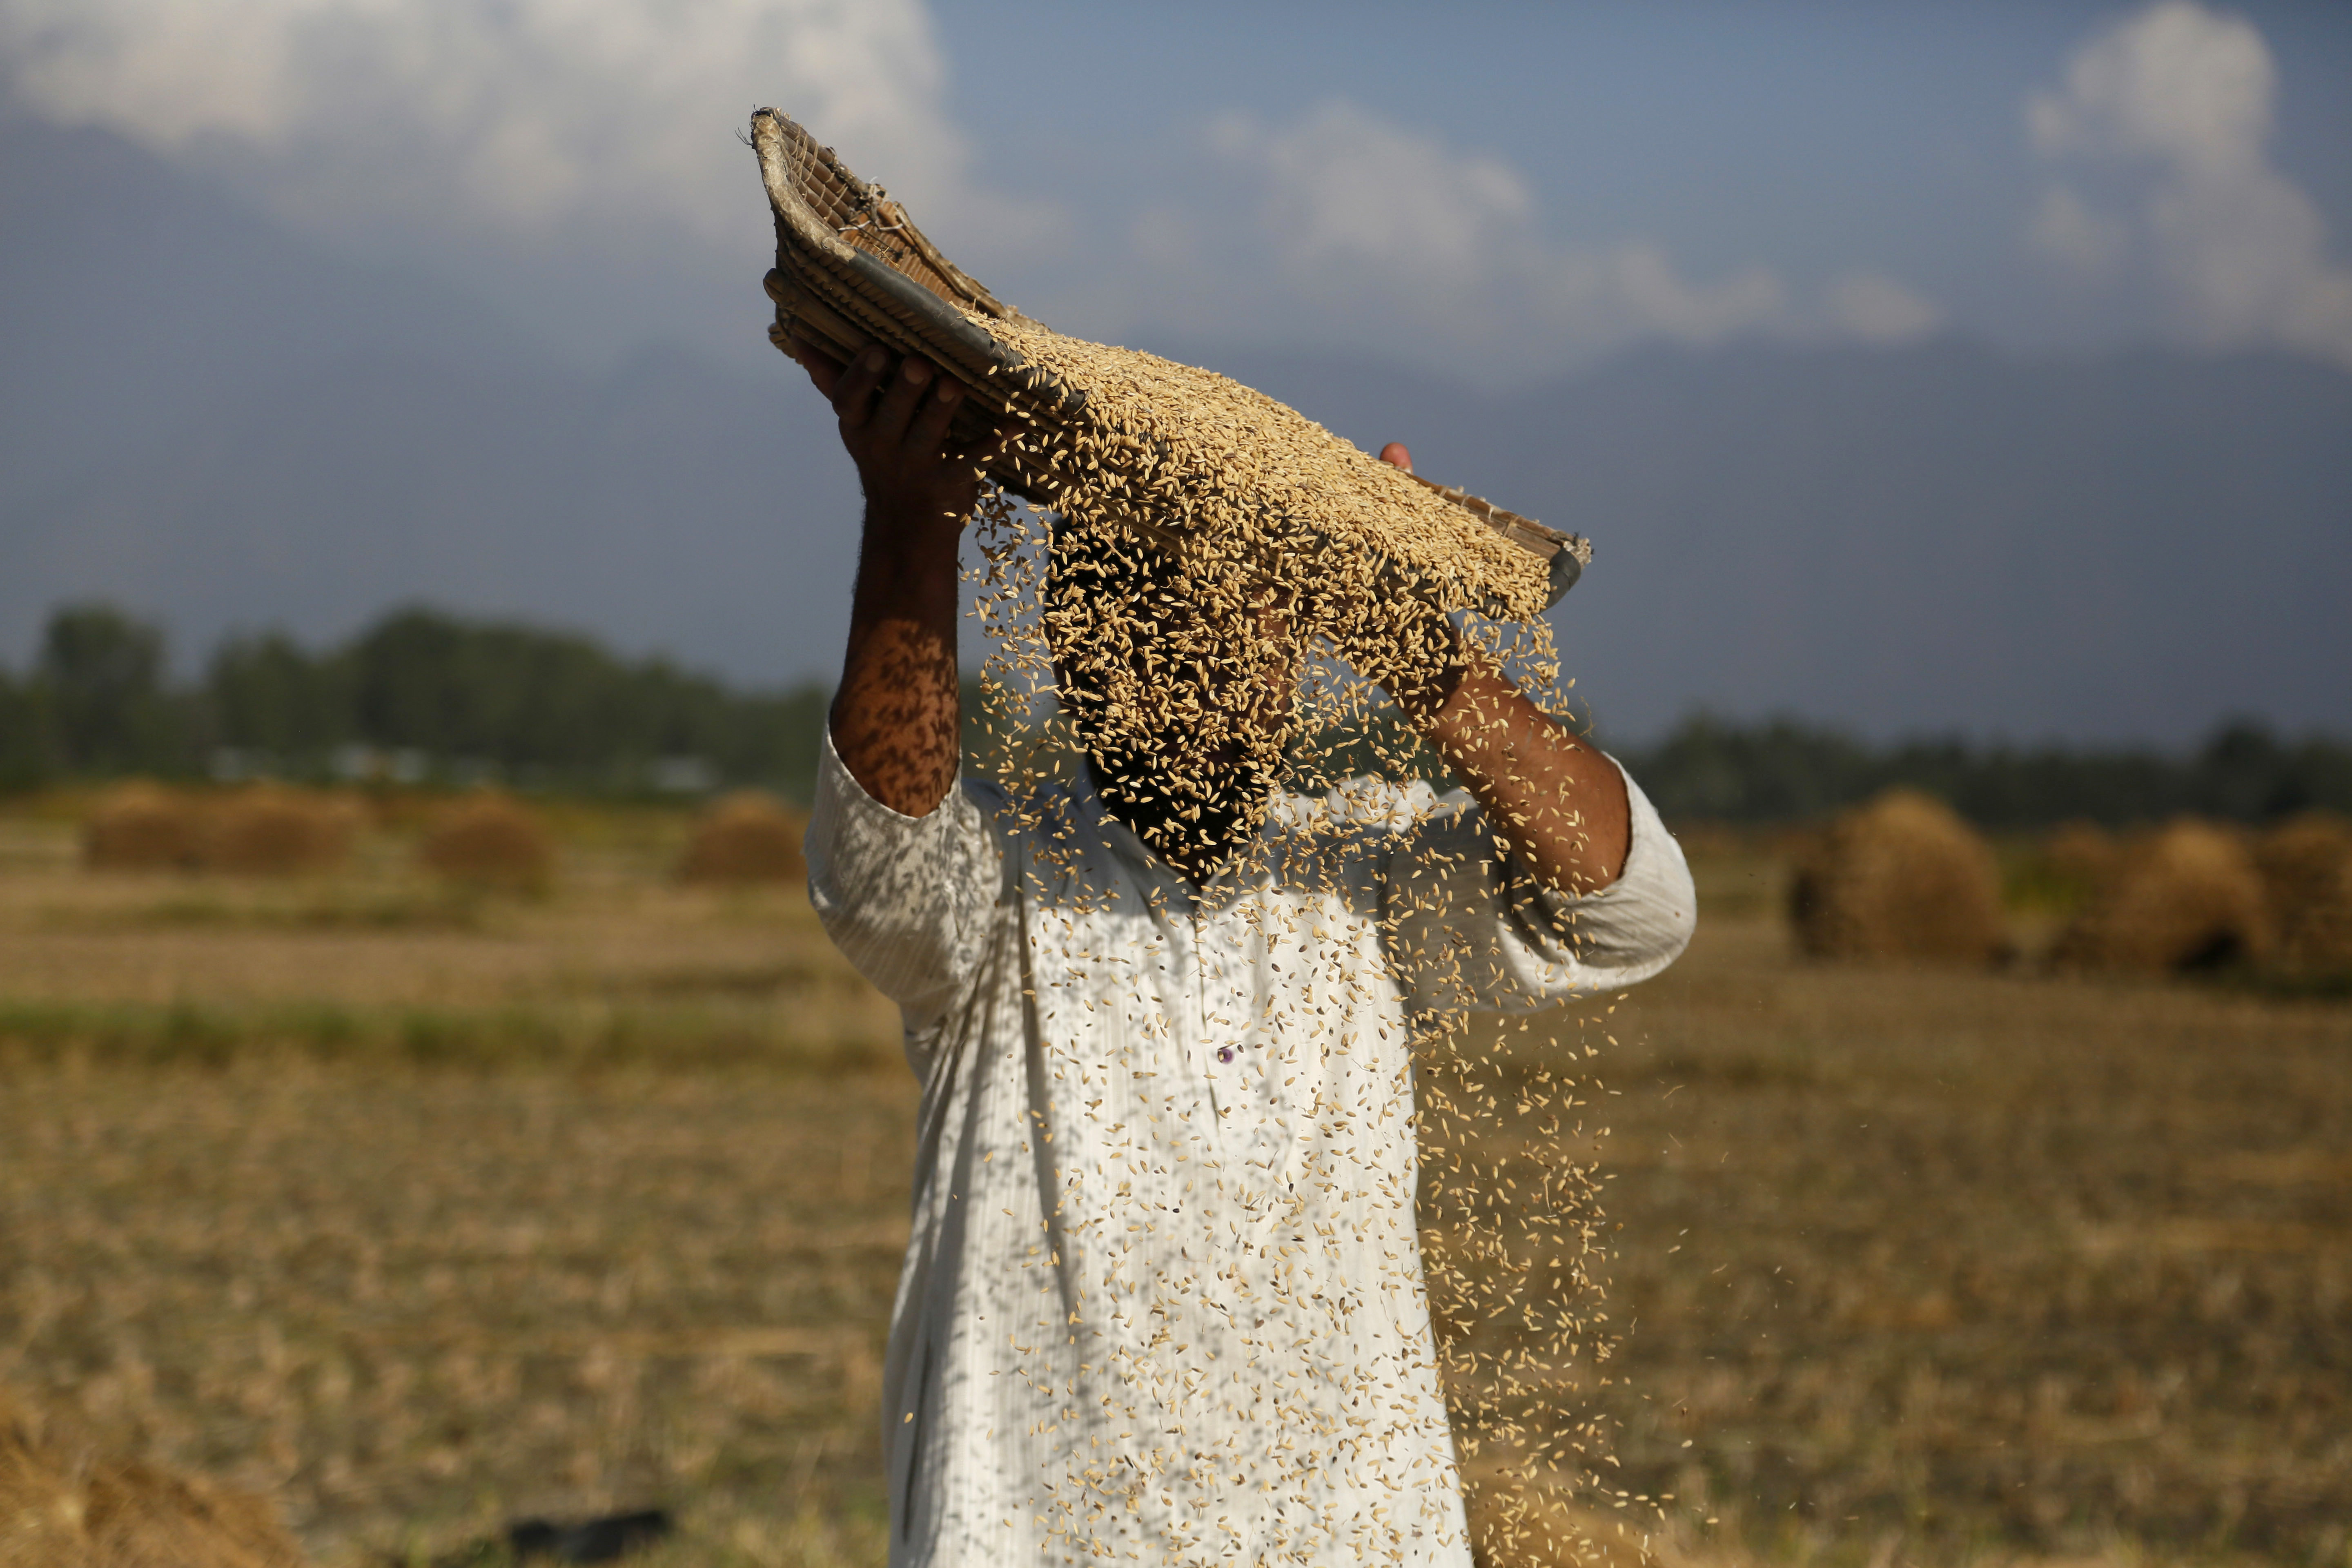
x: 1363, y: 208
x: 1807, y: 142
x: 1503, y: 190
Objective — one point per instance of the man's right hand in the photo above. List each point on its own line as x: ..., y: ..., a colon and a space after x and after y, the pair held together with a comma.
x: 894, y: 427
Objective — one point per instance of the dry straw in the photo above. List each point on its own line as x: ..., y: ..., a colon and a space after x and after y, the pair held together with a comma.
x: 270, y: 830
x: 490, y: 839
x: 745, y: 837
x: 141, y: 827
x: 2189, y: 897
x: 62, y: 1510
x: 2306, y: 871
x: 1901, y: 878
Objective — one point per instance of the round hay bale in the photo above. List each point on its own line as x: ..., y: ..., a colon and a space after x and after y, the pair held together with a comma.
x: 1901, y: 878
x: 141, y: 827
x: 270, y: 830
x: 491, y: 839
x: 2189, y: 898
x: 745, y: 837
x: 2305, y: 864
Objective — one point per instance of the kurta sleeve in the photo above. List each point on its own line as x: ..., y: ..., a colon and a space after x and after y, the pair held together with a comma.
x: 1472, y: 928
x: 906, y: 899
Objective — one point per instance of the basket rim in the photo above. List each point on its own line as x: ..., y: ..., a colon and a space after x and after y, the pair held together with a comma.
x: 934, y: 322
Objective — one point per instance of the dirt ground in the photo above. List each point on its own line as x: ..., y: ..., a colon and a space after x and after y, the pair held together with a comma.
x: 422, y: 1212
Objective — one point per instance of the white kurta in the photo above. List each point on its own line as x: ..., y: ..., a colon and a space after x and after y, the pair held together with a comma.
x: 1163, y: 1302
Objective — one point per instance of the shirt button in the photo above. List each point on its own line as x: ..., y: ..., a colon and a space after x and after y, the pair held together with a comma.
x: 1225, y: 1053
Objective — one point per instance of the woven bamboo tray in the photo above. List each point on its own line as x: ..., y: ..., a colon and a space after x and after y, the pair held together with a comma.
x: 853, y: 269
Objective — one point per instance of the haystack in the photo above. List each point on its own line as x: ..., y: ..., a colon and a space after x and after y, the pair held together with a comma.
x: 2306, y: 870
x: 270, y: 830
x: 141, y: 827
x: 60, y: 1511
x: 491, y: 839
x: 748, y: 836
x: 1901, y: 878
x: 2187, y: 898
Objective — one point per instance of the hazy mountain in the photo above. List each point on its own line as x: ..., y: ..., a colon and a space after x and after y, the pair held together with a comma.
x: 134, y: 299
x: 1934, y: 537
x: 221, y: 425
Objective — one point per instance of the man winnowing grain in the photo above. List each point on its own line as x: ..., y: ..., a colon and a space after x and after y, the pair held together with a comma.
x: 1163, y: 1302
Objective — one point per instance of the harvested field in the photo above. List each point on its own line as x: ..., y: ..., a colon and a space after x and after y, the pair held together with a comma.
x: 497, y: 1206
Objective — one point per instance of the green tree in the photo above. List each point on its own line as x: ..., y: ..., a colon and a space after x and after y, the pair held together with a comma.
x: 102, y: 674
x: 559, y: 708
x: 267, y: 694
x: 27, y: 754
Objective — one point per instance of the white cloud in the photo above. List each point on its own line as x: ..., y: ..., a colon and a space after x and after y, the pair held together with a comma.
x: 2064, y: 226
x: 2178, y: 81
x: 2175, y: 105
x: 522, y: 116
x: 1878, y: 309
x: 1365, y: 218
x: 1342, y: 189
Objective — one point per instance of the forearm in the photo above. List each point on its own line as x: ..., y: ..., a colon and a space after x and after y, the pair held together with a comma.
x: 1561, y: 804
x: 896, y: 718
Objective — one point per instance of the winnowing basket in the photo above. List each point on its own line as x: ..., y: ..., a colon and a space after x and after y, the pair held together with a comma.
x: 852, y: 269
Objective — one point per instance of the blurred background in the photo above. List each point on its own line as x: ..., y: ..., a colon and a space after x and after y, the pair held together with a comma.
x: 1976, y: 372
x: 1960, y: 398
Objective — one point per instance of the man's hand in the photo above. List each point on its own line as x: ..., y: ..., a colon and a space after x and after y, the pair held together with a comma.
x: 896, y: 428
x: 896, y: 719
x: 1561, y: 804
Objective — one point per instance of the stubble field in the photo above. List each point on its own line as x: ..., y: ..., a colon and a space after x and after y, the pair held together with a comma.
x: 422, y: 1212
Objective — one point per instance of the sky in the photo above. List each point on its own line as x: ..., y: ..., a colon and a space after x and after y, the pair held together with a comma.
x: 1500, y: 192
x: 1820, y: 317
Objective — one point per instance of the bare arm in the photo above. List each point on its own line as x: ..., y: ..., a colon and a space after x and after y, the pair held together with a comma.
x: 894, y: 717
x: 1559, y: 803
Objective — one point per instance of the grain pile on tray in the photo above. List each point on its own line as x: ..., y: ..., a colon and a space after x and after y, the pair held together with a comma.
x: 1168, y: 450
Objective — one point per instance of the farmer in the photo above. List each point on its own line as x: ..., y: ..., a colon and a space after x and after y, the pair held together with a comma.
x: 1163, y: 1300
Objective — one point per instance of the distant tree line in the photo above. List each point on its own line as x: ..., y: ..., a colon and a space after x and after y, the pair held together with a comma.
x: 1783, y: 771
x: 420, y: 696
x: 429, y: 697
